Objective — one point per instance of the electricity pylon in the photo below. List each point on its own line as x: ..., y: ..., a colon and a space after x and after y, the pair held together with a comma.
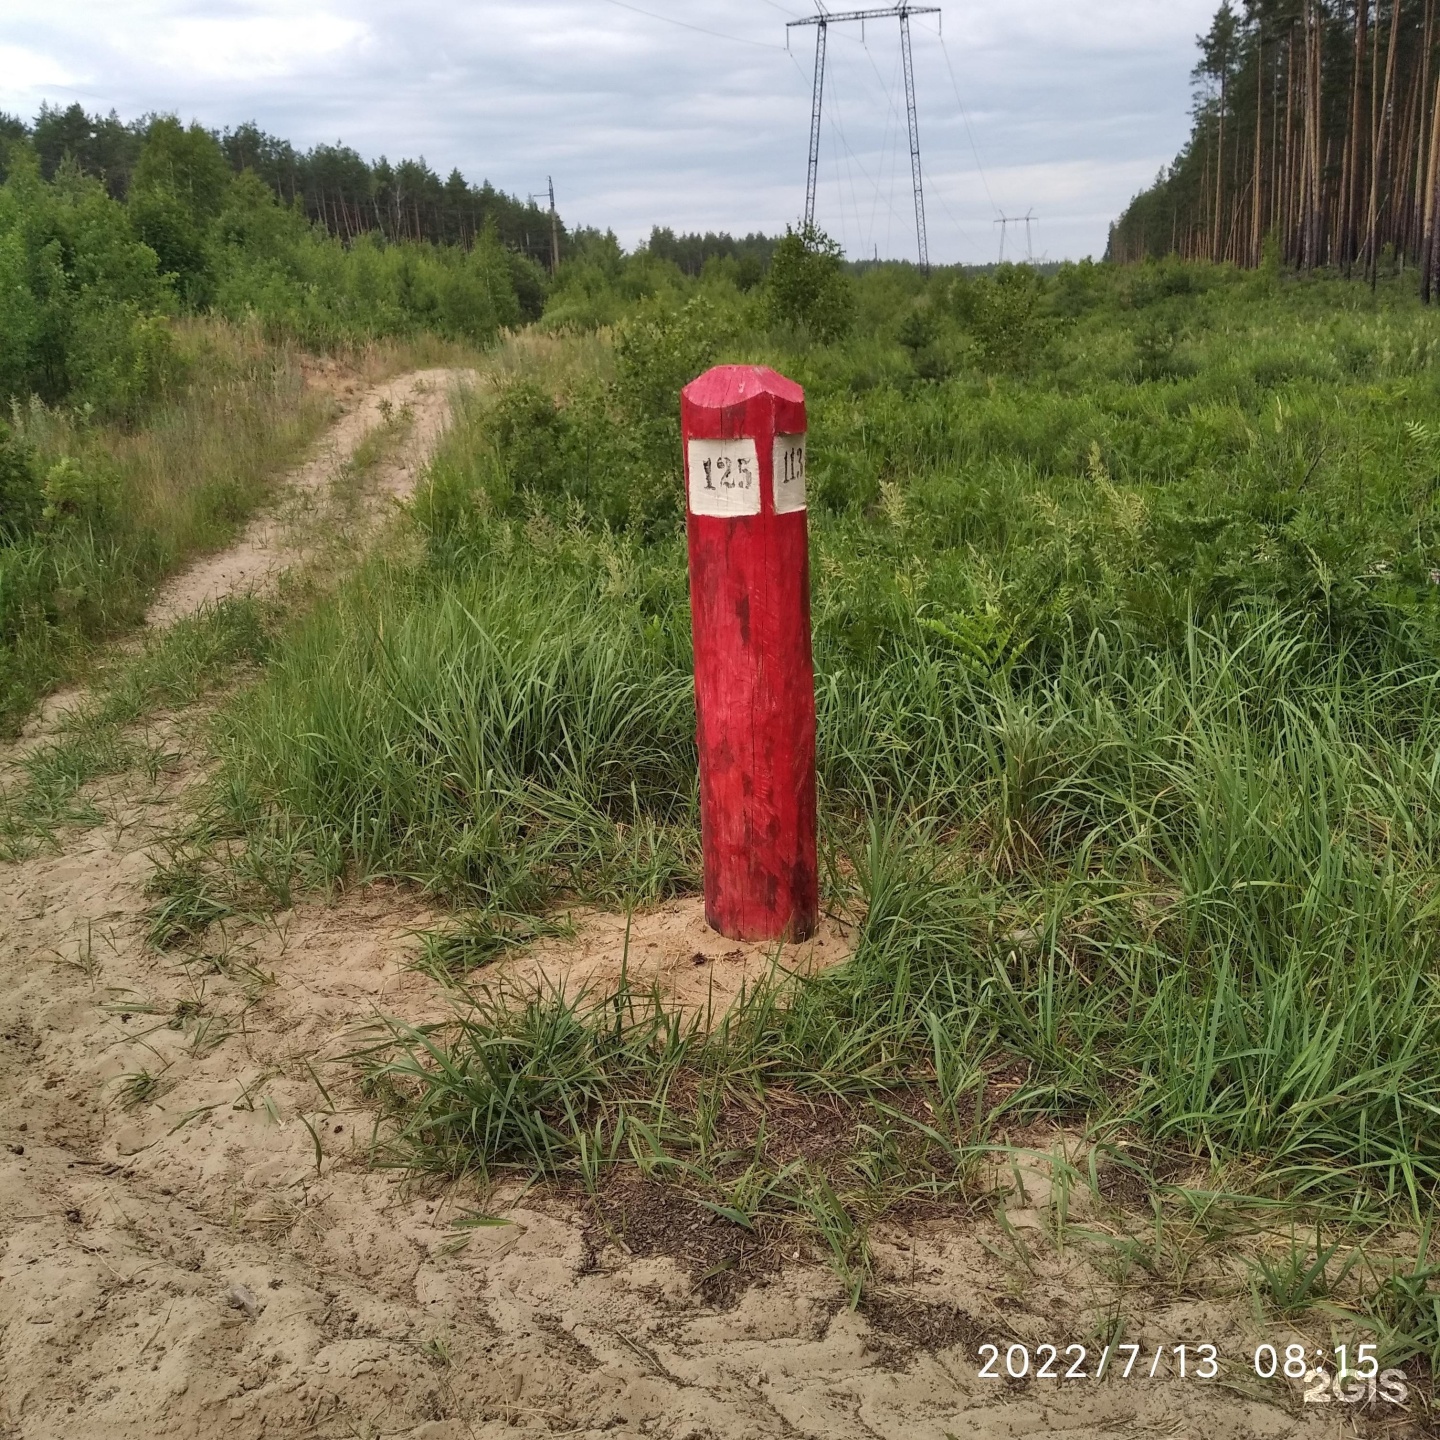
x: 1005, y: 221
x: 822, y: 22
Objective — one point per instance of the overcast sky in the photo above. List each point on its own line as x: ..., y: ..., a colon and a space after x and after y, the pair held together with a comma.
x: 1063, y: 107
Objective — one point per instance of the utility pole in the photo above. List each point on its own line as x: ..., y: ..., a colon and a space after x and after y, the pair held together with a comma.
x: 902, y: 11
x: 554, y: 230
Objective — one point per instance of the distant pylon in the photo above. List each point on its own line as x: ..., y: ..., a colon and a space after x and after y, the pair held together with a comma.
x: 1005, y: 221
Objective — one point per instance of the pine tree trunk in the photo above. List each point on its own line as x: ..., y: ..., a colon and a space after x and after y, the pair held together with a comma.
x: 1424, y: 126
x: 1429, y: 248
x: 1218, y: 228
x: 1255, y: 194
x: 1310, y: 160
x: 1352, y: 149
x: 1383, y: 125
x: 1401, y: 200
x: 1287, y: 225
x: 1275, y: 171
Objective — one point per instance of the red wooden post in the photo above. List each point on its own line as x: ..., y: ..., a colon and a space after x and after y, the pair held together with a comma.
x: 744, y: 436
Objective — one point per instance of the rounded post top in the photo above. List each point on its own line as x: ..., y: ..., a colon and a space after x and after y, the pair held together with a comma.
x: 729, y: 385
x: 734, y: 400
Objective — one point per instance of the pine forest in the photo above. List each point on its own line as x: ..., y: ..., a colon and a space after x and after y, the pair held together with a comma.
x: 1315, y: 136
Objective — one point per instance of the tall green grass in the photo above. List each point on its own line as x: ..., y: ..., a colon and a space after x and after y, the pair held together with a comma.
x: 1221, y: 862
x: 125, y: 506
x: 116, y: 508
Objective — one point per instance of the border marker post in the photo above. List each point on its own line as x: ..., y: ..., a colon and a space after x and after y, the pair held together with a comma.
x: 743, y: 430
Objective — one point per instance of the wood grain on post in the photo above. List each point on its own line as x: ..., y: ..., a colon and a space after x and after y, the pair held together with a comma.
x: 744, y: 437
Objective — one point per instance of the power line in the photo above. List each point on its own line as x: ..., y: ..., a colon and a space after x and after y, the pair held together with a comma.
x: 698, y: 29
x: 970, y: 134
x: 837, y: 130
x: 889, y: 92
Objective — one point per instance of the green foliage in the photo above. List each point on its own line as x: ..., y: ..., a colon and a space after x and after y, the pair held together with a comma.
x: 1407, y: 1307
x: 605, y: 449
x: 101, y: 146
x: 742, y: 261
x: 179, y: 186
x: 186, y: 164
x: 81, y: 494
x: 1158, y: 335
x: 300, y: 283
x: 21, y: 497
x: 1007, y: 314
x: 80, y: 296
x: 920, y: 333
x: 88, y: 284
x: 91, y: 516
x: 807, y: 286
x: 659, y: 351
x: 14, y: 137
x: 599, y: 284
x: 1292, y: 1283
x: 331, y: 186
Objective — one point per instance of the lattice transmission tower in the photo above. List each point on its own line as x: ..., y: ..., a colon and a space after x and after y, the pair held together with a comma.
x: 1027, y: 219
x: 822, y: 23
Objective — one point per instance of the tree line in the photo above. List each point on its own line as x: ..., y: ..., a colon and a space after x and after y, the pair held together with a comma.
x: 752, y: 254
x: 1315, y: 136
x: 109, y: 232
x: 331, y: 185
x: 334, y: 187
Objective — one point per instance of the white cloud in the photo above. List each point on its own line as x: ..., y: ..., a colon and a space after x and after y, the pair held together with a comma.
x: 31, y: 70
x: 254, y: 48
x: 1071, y: 106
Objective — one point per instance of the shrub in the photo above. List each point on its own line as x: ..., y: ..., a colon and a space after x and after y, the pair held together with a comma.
x: 80, y: 296
x: 808, y: 287
x: 21, y: 498
x: 1007, y: 317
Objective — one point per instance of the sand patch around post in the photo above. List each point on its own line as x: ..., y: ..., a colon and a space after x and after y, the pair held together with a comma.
x: 669, y: 946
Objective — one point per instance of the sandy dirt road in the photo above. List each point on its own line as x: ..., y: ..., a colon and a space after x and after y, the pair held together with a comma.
x: 193, y: 1244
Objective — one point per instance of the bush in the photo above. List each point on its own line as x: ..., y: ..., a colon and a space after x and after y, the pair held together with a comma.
x: 21, y: 496
x: 1007, y: 316
x: 594, y: 451
x: 82, y: 299
x: 92, y: 515
x: 88, y: 285
x: 660, y: 351
x: 808, y: 287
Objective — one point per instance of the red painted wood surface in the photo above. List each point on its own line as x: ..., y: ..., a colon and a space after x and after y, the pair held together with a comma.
x: 754, y: 674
